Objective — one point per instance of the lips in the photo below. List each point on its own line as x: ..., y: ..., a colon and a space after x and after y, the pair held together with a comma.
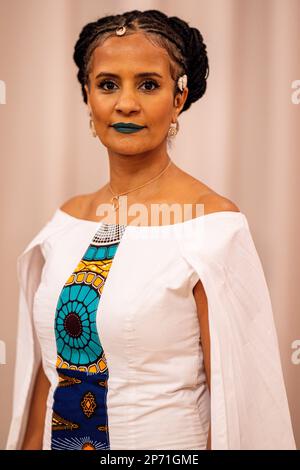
x: 127, y: 125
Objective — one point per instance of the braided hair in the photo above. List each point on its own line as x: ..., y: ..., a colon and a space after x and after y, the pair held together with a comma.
x: 184, y: 44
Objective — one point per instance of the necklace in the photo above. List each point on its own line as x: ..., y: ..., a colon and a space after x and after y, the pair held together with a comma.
x: 115, y: 198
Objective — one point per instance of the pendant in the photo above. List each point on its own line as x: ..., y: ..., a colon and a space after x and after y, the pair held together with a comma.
x: 115, y: 203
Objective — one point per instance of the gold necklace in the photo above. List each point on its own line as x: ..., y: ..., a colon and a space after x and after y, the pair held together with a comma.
x: 115, y: 198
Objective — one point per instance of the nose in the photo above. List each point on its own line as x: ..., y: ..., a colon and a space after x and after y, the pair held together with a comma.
x: 127, y: 102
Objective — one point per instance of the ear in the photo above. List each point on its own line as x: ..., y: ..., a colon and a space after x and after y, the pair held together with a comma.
x: 88, y: 97
x: 179, y: 101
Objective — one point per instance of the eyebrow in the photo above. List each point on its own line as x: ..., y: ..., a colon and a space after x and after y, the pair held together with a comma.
x: 137, y: 75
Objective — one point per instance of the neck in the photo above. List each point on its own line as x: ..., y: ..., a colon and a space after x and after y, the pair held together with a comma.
x: 129, y: 171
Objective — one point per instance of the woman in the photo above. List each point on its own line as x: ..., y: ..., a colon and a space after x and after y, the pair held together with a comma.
x: 144, y: 335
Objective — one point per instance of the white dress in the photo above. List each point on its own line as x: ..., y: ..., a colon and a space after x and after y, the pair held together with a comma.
x: 110, y: 311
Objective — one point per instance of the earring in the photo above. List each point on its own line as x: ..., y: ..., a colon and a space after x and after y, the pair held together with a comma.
x: 173, y: 129
x: 92, y: 127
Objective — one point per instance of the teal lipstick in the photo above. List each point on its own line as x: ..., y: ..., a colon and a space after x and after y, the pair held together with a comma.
x: 127, y: 127
x: 126, y: 130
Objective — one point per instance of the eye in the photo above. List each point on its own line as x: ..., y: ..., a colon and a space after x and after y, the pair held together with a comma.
x: 153, y: 82
x: 102, y: 84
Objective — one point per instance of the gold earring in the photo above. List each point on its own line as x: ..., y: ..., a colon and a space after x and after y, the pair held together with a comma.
x: 173, y: 129
x: 92, y: 127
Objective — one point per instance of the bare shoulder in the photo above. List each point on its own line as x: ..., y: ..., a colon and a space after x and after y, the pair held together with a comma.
x: 83, y: 206
x: 76, y: 205
x: 200, y: 193
x: 214, y: 202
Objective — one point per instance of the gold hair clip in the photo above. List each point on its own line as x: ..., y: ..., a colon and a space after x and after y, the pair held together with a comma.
x: 121, y: 30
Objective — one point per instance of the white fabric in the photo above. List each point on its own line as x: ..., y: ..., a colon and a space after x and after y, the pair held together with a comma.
x: 149, y: 329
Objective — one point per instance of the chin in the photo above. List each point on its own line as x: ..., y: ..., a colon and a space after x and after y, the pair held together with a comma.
x: 128, y: 149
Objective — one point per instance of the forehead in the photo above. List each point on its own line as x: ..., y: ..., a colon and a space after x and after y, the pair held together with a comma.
x: 132, y: 52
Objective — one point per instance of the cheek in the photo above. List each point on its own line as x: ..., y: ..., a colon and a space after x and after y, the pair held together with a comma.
x: 161, y: 112
x: 158, y: 112
x: 102, y: 110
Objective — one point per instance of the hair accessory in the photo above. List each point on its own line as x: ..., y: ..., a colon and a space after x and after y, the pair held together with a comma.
x: 121, y: 30
x: 182, y: 82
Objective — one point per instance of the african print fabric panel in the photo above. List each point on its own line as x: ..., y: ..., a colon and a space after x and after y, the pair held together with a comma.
x: 79, y: 418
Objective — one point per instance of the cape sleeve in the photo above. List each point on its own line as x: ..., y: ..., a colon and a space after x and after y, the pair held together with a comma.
x: 248, y: 400
x: 28, y: 354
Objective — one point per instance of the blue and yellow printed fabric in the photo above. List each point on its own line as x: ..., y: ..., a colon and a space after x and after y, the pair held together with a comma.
x: 79, y: 418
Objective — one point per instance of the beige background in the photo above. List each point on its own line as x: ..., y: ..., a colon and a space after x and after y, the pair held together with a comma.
x: 242, y: 138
